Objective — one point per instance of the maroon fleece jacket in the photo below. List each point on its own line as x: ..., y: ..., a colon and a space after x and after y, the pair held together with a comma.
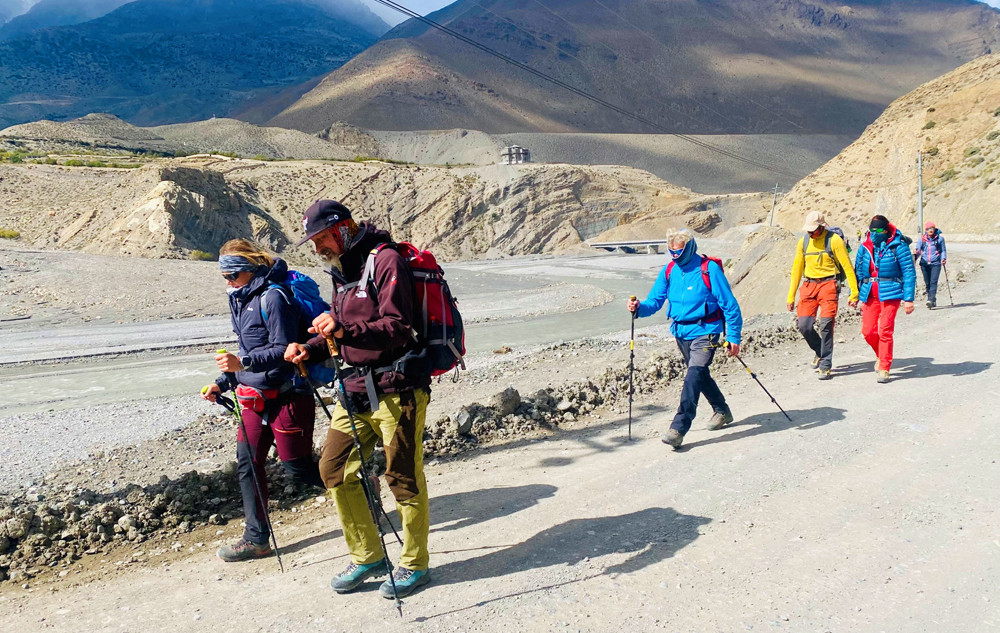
x: 379, y: 325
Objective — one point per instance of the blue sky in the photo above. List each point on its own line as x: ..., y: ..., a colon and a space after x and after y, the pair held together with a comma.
x: 422, y: 6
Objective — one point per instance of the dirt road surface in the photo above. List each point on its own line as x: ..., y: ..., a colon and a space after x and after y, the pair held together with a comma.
x: 875, y: 509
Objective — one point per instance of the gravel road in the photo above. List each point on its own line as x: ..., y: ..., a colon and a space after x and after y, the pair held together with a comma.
x: 874, y: 510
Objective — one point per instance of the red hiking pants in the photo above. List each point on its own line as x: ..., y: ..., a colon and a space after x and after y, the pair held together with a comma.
x: 878, y: 322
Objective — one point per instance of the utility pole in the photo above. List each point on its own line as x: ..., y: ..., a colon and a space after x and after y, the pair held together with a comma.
x: 773, y: 202
x: 920, y: 192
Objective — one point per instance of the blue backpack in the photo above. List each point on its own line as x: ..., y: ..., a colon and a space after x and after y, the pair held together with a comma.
x: 305, y: 294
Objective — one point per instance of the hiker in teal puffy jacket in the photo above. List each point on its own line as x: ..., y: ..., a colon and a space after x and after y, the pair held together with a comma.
x: 702, y: 309
x: 886, y: 279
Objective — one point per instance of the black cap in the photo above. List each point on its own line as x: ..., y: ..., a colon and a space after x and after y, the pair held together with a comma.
x: 322, y: 215
x: 879, y: 222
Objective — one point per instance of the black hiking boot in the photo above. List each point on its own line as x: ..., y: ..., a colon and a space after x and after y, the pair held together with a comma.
x: 244, y: 550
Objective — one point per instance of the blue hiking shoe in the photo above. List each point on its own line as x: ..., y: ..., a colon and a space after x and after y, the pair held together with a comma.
x: 352, y: 577
x: 407, y: 580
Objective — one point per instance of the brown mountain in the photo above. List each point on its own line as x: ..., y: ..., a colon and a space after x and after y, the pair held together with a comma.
x: 693, y: 66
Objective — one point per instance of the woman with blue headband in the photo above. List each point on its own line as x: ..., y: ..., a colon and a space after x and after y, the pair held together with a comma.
x: 274, y: 409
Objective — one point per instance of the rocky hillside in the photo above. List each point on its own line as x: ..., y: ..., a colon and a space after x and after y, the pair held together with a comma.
x: 726, y: 66
x: 955, y: 121
x: 170, y: 208
x: 10, y: 9
x: 165, y: 61
x: 48, y: 13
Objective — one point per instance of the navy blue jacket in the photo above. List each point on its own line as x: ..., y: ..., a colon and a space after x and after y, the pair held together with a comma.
x: 264, y: 341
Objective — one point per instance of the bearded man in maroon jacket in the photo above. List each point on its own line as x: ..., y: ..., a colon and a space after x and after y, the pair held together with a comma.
x: 372, y: 322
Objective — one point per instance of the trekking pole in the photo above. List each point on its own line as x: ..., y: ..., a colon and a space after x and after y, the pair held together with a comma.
x: 631, y: 371
x: 754, y: 376
x: 374, y: 503
x: 319, y: 398
x: 947, y: 284
x: 233, y: 406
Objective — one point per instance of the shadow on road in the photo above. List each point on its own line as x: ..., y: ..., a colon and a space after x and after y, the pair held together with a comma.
x: 456, y: 511
x: 970, y: 304
x: 919, y: 367
x: 592, y: 436
x: 647, y: 537
x: 771, y: 422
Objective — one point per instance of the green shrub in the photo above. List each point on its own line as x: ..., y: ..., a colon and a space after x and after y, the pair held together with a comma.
x: 931, y: 109
x: 74, y: 163
x: 391, y: 161
x: 992, y: 135
x: 929, y: 125
x: 202, y: 256
x: 971, y: 151
x: 51, y: 161
x: 17, y: 158
x: 124, y: 165
x: 975, y: 160
x: 948, y: 174
x: 932, y: 151
x: 9, y: 234
x: 96, y: 163
x: 996, y: 112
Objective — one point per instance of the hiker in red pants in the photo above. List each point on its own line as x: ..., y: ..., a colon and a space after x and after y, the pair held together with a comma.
x: 887, y: 279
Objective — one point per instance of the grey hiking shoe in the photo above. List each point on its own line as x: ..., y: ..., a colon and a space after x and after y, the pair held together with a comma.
x: 883, y: 376
x: 352, y: 577
x: 825, y: 374
x: 930, y: 304
x: 815, y: 364
x: 243, y: 550
x: 673, y: 438
x: 407, y: 581
x: 720, y: 419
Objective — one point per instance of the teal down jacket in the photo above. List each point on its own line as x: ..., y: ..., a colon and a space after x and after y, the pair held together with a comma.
x: 890, y: 262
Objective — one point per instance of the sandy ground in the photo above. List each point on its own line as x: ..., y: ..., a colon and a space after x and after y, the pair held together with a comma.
x: 875, y: 509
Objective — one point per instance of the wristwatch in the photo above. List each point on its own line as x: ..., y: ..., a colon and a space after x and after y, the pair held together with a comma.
x: 245, y: 361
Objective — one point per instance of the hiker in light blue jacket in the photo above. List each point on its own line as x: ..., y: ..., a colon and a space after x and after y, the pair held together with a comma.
x: 702, y: 309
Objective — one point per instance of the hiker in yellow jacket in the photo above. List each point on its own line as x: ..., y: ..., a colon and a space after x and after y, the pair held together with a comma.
x: 820, y: 256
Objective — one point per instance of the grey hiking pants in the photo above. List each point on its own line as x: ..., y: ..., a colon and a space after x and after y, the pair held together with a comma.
x: 821, y: 343
x: 698, y: 354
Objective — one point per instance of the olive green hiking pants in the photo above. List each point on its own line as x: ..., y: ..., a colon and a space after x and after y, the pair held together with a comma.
x: 399, y: 423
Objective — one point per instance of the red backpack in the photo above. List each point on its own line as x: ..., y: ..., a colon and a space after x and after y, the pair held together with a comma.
x: 441, y: 331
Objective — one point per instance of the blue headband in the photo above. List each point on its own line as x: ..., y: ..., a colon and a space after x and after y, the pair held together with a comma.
x: 236, y: 264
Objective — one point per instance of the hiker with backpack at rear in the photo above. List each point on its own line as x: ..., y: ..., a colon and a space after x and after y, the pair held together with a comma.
x: 276, y: 408
x: 888, y: 279
x: 377, y: 330
x: 933, y: 254
x: 821, y: 256
x: 703, y: 310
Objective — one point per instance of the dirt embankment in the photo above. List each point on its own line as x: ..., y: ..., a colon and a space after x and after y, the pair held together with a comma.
x: 172, y: 208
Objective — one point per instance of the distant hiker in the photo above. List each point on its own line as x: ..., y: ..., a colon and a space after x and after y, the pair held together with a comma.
x: 933, y: 255
x: 373, y: 326
x: 821, y: 256
x: 702, y: 309
x: 885, y: 267
x: 274, y: 410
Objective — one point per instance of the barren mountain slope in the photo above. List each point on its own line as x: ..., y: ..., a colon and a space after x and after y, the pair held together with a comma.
x: 955, y: 121
x: 48, y: 13
x: 172, y: 207
x: 164, y: 61
x: 727, y: 66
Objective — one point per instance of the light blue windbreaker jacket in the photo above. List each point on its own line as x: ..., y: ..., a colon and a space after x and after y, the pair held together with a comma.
x: 690, y: 299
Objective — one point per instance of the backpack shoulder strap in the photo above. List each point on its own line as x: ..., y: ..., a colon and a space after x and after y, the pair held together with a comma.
x: 281, y: 290
x: 704, y: 272
x: 369, y: 272
x: 666, y: 275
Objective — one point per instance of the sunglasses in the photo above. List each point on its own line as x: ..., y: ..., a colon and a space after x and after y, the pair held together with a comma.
x: 879, y: 230
x: 231, y: 276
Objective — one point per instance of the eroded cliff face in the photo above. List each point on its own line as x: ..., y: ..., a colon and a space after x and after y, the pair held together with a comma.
x: 173, y: 207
